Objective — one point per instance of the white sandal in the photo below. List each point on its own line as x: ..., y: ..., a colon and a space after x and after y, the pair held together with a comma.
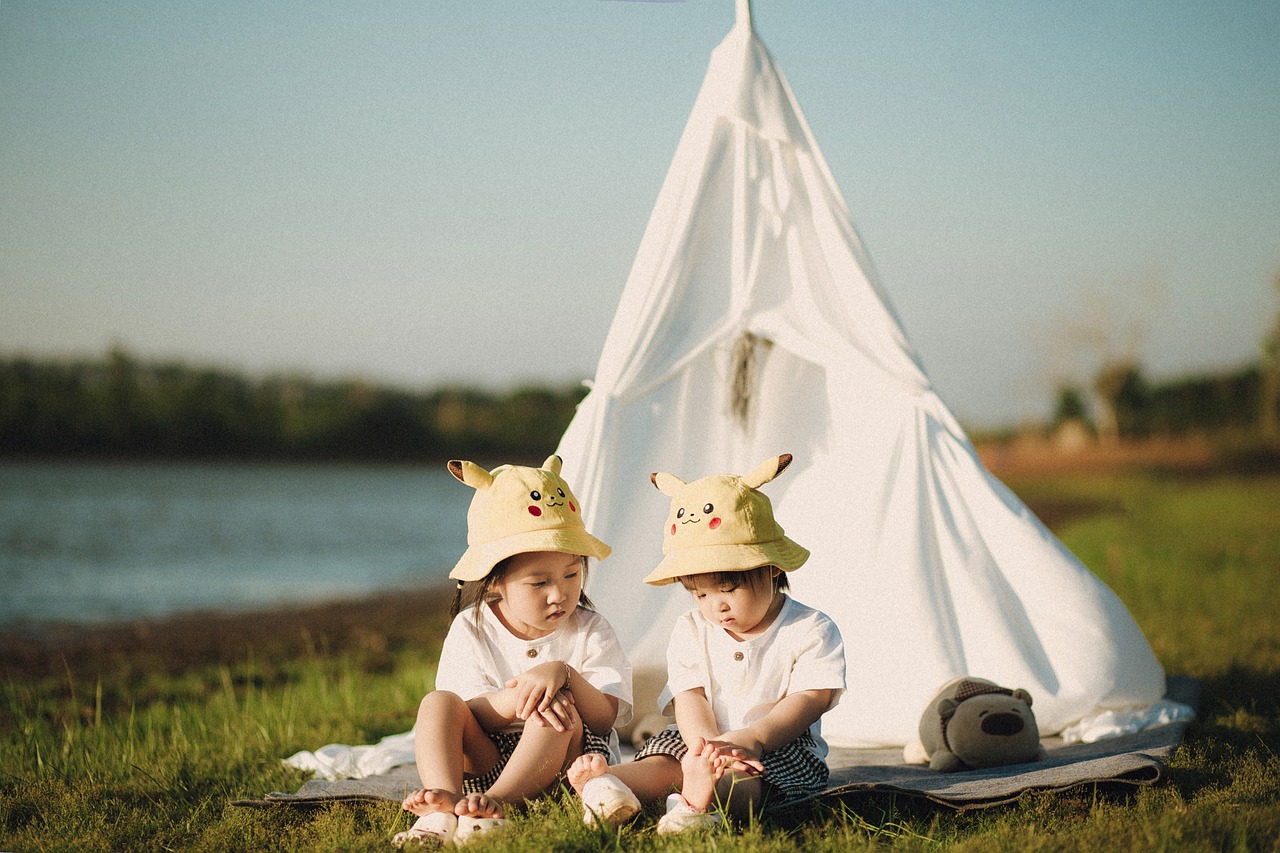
x: 469, y: 827
x: 430, y: 830
x: 607, y: 801
x: 682, y: 817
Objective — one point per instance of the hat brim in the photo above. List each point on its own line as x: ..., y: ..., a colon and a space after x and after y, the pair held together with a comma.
x: 699, y: 560
x: 480, y: 559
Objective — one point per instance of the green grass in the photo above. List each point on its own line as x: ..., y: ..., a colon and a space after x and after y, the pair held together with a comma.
x: 104, y: 752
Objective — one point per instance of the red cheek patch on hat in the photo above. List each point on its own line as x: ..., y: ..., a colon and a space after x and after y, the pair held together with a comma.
x: 673, y: 530
x: 535, y: 511
x: 715, y: 522
x: 572, y: 508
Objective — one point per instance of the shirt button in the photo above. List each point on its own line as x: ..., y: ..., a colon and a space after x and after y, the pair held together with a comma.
x: 533, y: 653
x: 737, y: 655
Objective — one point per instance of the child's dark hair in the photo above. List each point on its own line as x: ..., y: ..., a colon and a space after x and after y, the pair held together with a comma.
x: 468, y: 593
x: 753, y: 578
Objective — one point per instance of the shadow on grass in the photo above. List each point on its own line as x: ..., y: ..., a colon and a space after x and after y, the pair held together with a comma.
x: 1239, y: 714
x: 1241, y: 706
x: 883, y: 817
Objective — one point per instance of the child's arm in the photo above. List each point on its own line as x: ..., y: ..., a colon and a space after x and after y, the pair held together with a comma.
x: 786, y: 721
x: 697, y: 722
x: 533, y: 693
x: 599, y: 710
x: 694, y: 716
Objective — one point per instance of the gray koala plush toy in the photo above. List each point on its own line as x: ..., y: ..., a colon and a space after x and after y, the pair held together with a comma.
x: 972, y: 723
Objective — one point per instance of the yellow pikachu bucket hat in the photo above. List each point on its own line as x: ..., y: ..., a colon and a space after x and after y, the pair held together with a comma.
x: 517, y: 509
x: 723, y: 523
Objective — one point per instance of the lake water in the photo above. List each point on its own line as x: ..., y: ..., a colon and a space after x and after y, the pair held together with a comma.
x: 97, y: 542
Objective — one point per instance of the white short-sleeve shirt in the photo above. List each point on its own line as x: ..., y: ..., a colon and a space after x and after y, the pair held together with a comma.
x: 744, y: 679
x: 481, y: 656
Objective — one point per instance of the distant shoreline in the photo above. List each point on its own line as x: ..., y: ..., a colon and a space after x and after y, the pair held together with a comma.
x: 375, y: 625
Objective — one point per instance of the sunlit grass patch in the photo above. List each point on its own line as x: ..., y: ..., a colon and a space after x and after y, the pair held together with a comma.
x: 142, y: 752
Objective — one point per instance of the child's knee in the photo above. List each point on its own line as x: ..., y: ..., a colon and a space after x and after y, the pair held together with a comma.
x: 441, y: 703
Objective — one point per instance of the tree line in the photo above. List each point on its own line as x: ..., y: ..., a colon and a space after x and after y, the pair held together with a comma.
x: 1238, y: 402
x: 121, y: 406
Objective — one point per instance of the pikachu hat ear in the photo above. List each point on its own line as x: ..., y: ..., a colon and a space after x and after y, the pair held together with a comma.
x: 669, y: 484
x: 766, y: 471
x: 471, y: 474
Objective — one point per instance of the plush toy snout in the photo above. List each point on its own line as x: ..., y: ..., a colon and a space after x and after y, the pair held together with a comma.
x: 1002, y: 724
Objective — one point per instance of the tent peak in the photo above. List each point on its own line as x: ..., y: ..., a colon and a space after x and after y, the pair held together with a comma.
x: 743, y: 16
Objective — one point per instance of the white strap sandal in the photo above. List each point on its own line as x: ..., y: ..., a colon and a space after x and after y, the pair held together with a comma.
x: 682, y: 817
x: 469, y: 827
x: 430, y: 830
x: 607, y: 801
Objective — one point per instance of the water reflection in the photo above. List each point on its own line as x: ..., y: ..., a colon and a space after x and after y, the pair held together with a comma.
x: 94, y: 542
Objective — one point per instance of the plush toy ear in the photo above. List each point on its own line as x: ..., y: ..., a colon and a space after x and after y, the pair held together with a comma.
x: 669, y: 484
x: 766, y: 471
x: 470, y: 473
x: 947, y: 708
x: 1023, y: 695
x: 553, y: 464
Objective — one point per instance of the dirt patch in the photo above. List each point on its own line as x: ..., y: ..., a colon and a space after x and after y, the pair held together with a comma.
x: 374, y: 627
x: 1057, y: 512
x: 1032, y: 455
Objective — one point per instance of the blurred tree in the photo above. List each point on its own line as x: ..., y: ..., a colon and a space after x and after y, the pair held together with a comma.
x: 1125, y: 398
x: 1270, y: 395
x: 1070, y: 406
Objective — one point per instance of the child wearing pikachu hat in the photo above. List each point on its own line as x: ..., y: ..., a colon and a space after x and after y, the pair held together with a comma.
x: 750, y: 671
x: 530, y: 676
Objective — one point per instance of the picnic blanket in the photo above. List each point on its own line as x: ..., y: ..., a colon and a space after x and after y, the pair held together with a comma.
x: 1136, y: 758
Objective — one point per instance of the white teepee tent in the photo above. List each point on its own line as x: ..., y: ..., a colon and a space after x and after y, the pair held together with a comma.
x: 752, y: 324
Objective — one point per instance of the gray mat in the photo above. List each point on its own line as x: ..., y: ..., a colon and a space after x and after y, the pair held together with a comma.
x: 1134, y: 759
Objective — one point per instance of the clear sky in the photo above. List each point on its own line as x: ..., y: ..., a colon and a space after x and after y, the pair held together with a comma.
x: 429, y: 191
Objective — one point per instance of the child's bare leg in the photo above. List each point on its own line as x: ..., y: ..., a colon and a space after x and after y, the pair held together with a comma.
x: 537, y: 761
x: 447, y: 741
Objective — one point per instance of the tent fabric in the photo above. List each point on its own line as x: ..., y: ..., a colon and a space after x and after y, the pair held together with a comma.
x: 752, y: 323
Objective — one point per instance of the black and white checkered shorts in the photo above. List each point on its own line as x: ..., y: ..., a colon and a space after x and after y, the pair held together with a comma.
x: 790, y: 773
x: 506, y: 745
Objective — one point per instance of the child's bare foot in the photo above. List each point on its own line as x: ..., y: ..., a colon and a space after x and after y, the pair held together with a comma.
x: 478, y: 814
x: 586, y: 767
x: 425, y: 801
x: 478, y: 805
x: 436, y: 823
x: 701, y: 769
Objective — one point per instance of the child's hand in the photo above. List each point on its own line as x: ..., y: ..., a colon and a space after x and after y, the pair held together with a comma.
x: 536, y: 689
x: 739, y: 752
x: 560, y: 715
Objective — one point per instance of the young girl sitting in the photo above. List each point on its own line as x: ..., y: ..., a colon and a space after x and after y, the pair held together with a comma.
x: 750, y: 671
x: 530, y: 678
